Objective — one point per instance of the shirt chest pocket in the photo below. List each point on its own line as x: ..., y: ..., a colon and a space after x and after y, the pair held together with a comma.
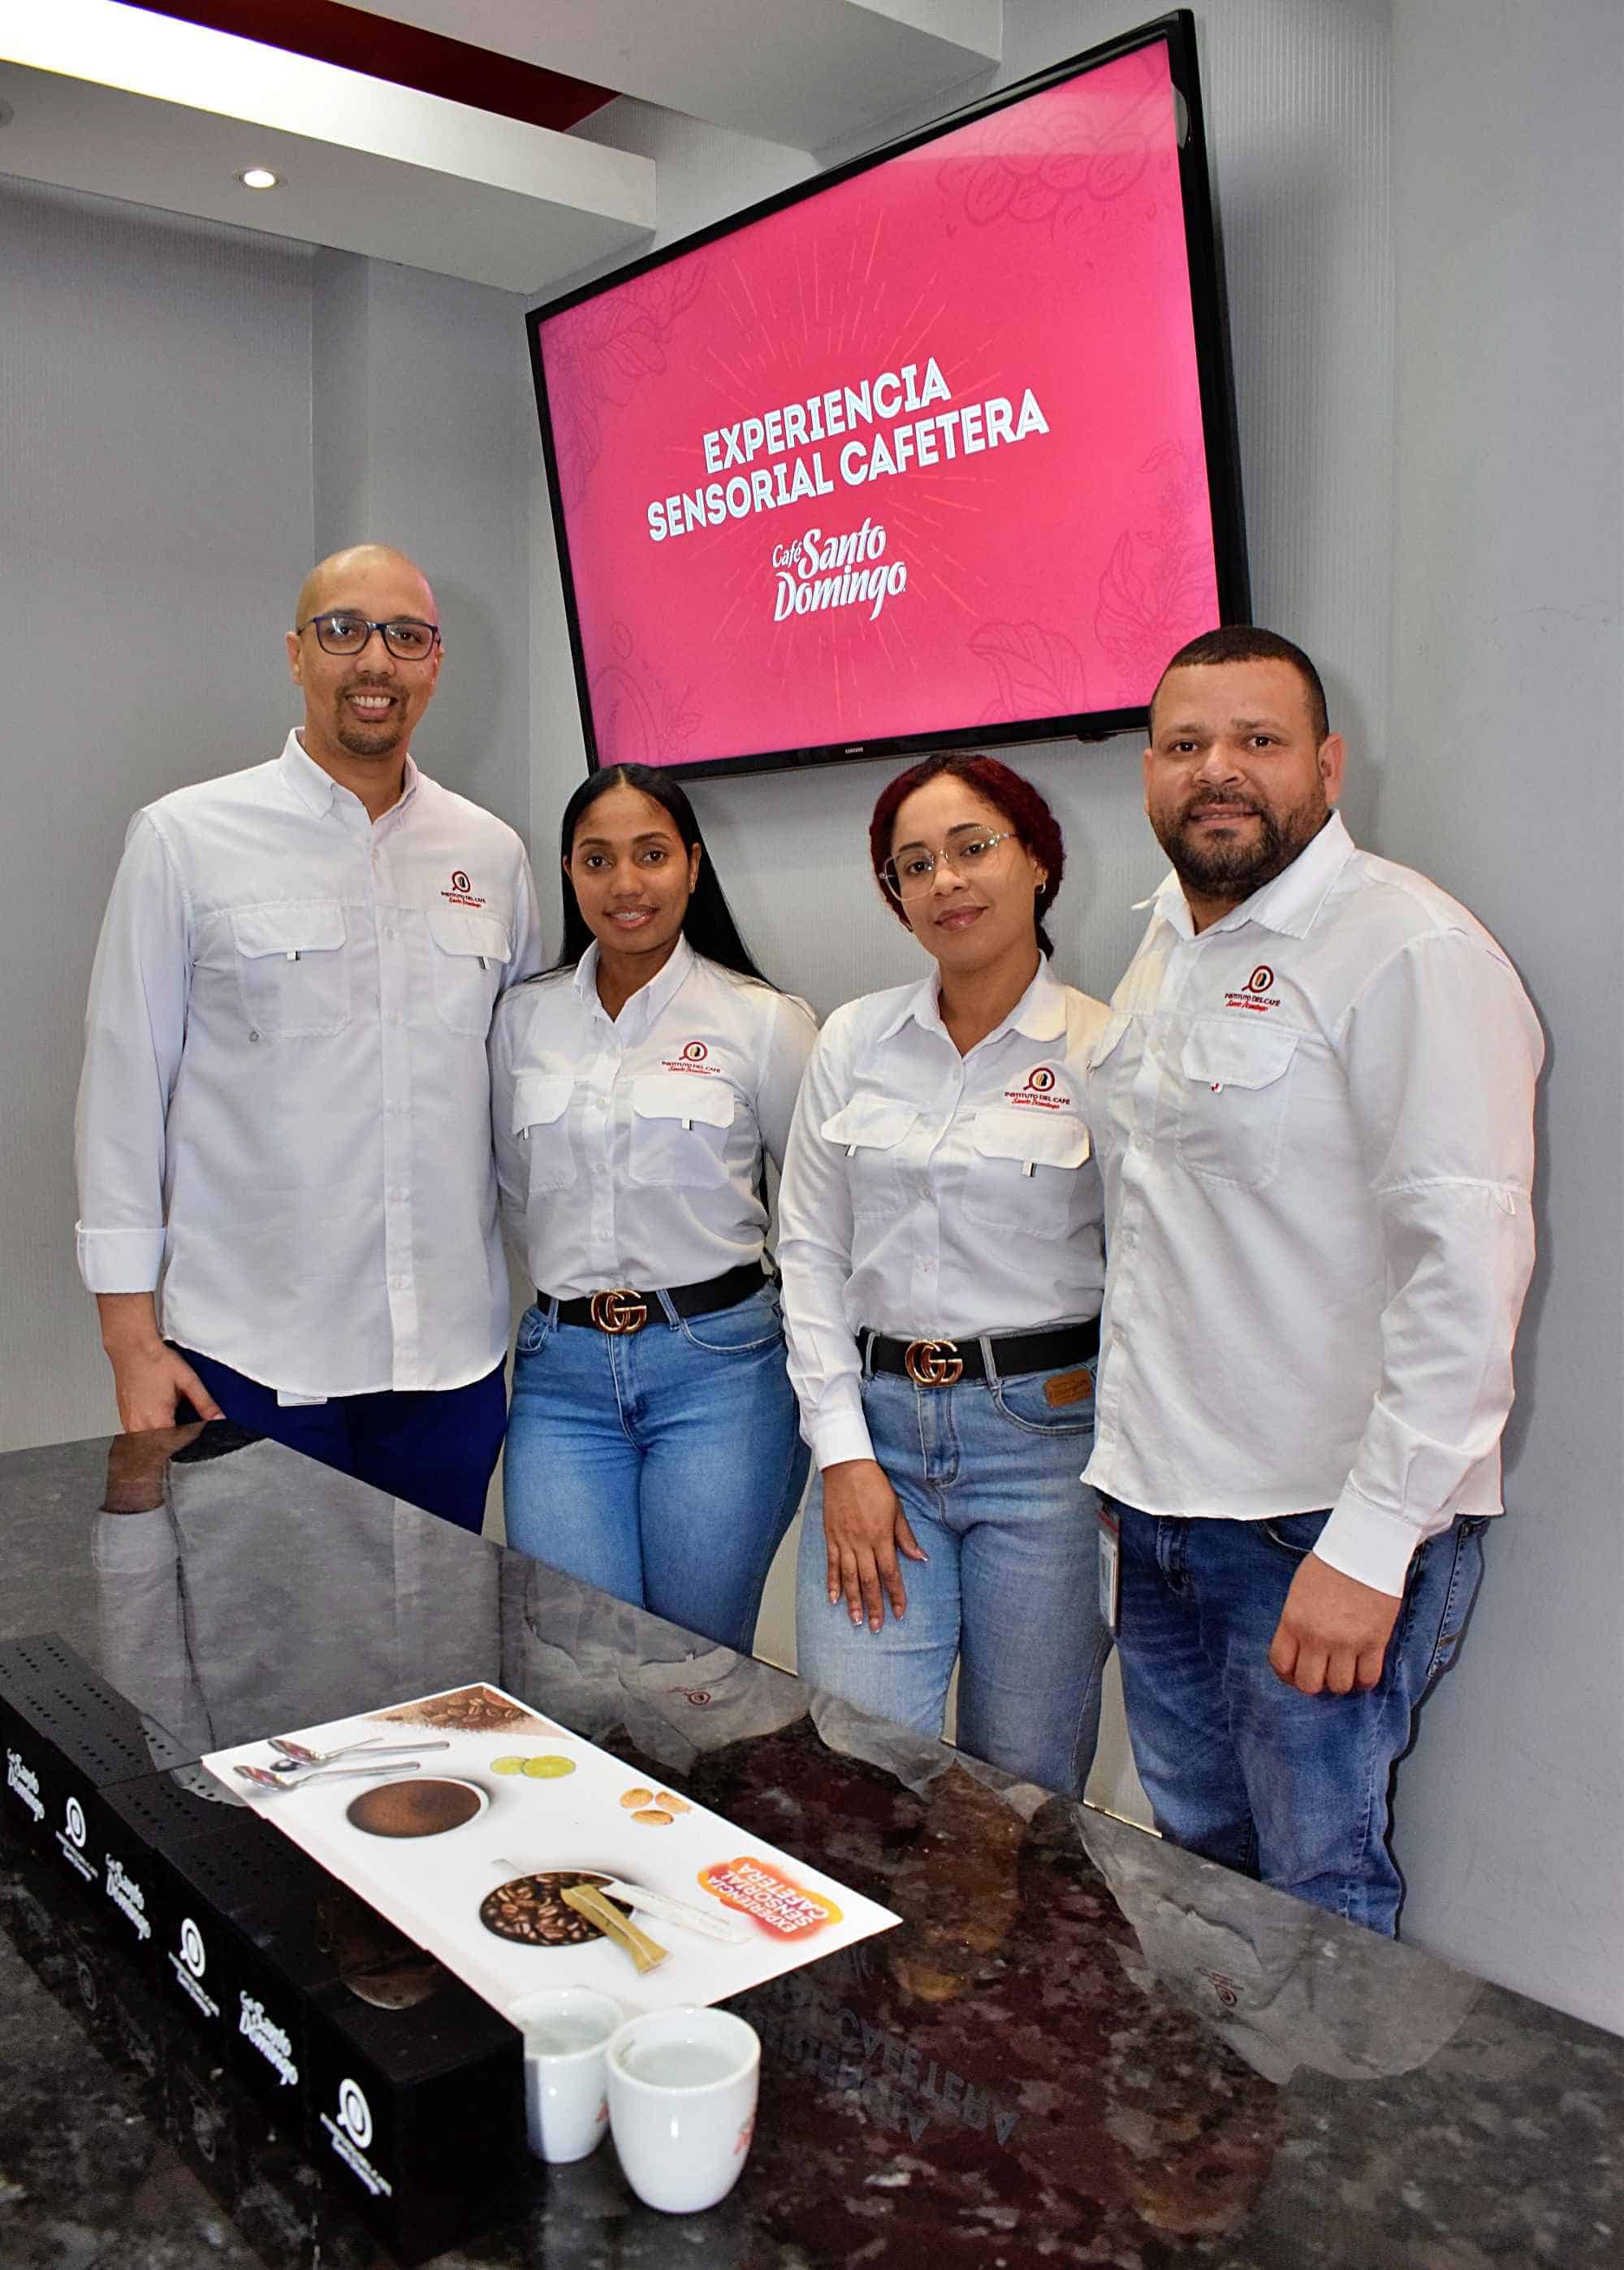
x: 540, y: 1121
x: 872, y: 1130
x: 468, y: 952
x: 679, y: 1130
x: 1235, y: 1085
x: 293, y: 970
x: 1023, y: 1175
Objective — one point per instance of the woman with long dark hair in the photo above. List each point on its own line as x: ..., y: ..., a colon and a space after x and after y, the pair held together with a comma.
x: 636, y: 1087
x: 942, y: 1267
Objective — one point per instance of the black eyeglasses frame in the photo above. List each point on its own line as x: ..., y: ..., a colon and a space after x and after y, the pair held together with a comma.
x: 392, y: 622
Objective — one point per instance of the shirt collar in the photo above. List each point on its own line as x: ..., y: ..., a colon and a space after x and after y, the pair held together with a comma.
x: 317, y: 790
x: 1040, y: 1013
x: 1287, y: 905
x: 649, y: 1002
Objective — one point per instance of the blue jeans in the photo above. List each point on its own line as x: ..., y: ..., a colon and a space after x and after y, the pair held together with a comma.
x: 662, y: 1467
x: 436, y: 1447
x: 1291, y: 1788
x: 988, y: 1472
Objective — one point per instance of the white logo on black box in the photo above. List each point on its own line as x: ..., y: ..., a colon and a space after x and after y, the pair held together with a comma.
x: 355, y: 2114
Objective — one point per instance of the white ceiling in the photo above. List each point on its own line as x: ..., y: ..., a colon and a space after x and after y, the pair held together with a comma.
x: 130, y: 104
x: 807, y: 72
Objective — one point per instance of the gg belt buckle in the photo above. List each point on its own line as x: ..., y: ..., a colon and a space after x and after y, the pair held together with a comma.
x: 619, y: 1310
x: 933, y: 1363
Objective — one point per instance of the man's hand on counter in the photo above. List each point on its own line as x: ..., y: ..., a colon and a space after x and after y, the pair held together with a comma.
x: 151, y: 1380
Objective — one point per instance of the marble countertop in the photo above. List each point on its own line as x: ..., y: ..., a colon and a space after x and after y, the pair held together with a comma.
x: 1081, y: 2046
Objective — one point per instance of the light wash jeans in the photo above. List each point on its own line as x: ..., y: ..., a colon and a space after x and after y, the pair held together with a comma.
x: 1290, y: 1788
x: 988, y: 1472
x: 662, y: 1467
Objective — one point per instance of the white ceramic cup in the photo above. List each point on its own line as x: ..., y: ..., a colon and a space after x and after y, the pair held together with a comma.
x: 566, y: 2031
x: 682, y: 2105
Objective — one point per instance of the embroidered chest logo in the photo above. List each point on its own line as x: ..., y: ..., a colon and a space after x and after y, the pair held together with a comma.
x: 461, y: 892
x: 1257, y: 994
x: 693, y: 1056
x: 1044, y: 1090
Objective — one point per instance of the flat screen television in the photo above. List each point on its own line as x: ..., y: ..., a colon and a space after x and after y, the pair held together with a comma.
x: 934, y: 451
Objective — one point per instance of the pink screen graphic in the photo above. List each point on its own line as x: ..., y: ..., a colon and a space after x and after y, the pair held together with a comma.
x: 922, y: 453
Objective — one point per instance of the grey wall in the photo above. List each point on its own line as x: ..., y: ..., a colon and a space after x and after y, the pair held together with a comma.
x: 423, y: 432
x: 1503, y: 779
x: 174, y: 398
x: 154, y: 521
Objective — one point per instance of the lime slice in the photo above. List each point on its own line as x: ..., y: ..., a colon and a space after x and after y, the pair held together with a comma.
x: 547, y: 1769
x: 507, y: 1765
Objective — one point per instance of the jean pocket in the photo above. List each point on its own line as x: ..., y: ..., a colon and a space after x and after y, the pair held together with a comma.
x: 1296, y: 1534
x: 749, y: 1326
x: 1026, y: 1401
x: 1464, y: 1543
x: 533, y: 1331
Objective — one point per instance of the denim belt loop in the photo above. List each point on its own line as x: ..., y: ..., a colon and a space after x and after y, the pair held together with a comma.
x: 984, y: 1341
x: 868, y: 1355
x: 552, y: 1313
x: 665, y: 1300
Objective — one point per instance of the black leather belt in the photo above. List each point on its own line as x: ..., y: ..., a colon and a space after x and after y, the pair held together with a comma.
x: 621, y: 1308
x: 944, y: 1363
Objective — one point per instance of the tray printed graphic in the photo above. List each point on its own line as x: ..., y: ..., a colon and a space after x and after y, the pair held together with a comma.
x: 512, y: 1849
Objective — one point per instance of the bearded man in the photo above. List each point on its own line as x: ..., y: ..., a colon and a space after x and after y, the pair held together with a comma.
x: 284, y: 1118
x: 1312, y: 1110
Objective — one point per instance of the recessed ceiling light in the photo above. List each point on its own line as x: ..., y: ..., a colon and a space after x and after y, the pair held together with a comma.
x: 260, y: 177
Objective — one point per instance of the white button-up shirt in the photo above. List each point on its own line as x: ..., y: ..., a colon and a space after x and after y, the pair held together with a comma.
x: 930, y: 1195
x: 1314, y: 1124
x: 629, y: 1148
x: 285, y: 1109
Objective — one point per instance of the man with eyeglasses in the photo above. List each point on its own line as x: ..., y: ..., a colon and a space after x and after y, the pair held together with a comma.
x: 283, y: 1116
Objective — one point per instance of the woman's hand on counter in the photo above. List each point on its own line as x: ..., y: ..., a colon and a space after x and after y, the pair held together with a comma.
x: 864, y: 1528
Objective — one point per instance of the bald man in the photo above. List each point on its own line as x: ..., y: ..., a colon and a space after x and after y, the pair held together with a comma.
x: 282, y: 1119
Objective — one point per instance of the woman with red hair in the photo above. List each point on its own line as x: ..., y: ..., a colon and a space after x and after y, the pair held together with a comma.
x: 943, y: 1266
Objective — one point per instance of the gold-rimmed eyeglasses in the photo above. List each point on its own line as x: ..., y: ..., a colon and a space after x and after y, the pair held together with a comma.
x: 968, y: 851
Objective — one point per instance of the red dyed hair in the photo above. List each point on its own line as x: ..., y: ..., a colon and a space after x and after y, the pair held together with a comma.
x: 1020, y: 803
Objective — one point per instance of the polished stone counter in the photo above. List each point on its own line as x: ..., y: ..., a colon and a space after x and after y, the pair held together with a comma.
x: 1080, y: 2046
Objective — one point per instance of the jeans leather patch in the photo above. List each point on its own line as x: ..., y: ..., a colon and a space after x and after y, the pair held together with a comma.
x: 1068, y: 1387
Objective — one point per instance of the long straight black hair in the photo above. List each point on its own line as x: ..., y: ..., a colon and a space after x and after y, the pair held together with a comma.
x: 708, y: 925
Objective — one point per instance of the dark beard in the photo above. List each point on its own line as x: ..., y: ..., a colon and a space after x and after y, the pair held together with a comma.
x: 1237, y: 869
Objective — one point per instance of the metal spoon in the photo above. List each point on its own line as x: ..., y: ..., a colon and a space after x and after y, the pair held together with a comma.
x: 296, y: 1758
x: 262, y: 1778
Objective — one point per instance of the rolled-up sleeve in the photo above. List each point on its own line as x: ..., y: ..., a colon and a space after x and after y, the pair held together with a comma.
x: 135, y: 1027
x: 814, y: 1259
x: 1442, y: 1050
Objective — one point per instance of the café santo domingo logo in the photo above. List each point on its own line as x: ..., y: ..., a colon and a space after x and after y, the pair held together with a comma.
x: 816, y: 572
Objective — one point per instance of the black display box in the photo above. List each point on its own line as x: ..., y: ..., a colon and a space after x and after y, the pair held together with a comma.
x: 417, y: 2114
x: 67, y: 1738
x: 403, y: 2086
x: 146, y: 1826
x: 245, y: 1947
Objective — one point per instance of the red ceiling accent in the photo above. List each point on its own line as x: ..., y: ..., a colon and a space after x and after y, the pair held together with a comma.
x: 360, y: 41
